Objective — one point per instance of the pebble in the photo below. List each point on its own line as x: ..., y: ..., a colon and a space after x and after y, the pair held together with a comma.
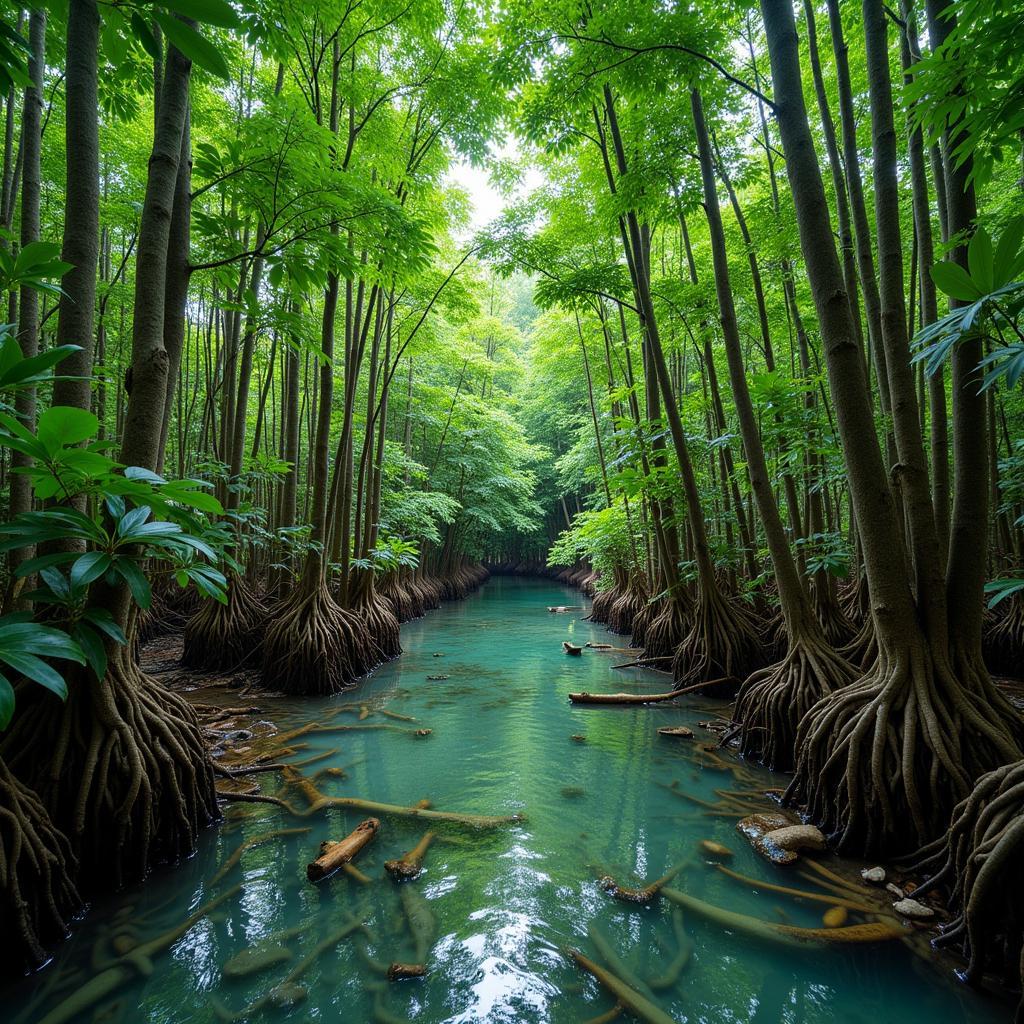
x: 911, y: 908
x: 835, y: 917
x: 717, y: 850
x: 895, y: 890
x: 875, y: 875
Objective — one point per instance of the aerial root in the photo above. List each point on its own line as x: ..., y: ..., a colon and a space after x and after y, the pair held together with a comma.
x: 773, y: 700
x: 883, y: 760
x: 977, y: 863
x: 225, y: 636
x: 723, y: 641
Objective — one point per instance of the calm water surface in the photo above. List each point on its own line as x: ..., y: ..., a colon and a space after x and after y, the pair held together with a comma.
x: 494, y: 910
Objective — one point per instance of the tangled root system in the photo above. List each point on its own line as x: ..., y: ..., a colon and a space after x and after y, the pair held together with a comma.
x: 1003, y: 644
x: 38, y: 898
x: 668, y: 628
x: 313, y: 646
x: 883, y: 761
x: 773, y: 700
x: 978, y: 864
x: 225, y: 636
x: 723, y: 641
x: 128, y: 780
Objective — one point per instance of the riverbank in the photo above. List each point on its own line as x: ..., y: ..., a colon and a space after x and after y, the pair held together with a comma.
x: 602, y: 794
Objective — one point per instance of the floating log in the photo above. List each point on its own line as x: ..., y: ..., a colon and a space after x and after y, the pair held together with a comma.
x: 640, y: 698
x: 571, y: 648
x: 632, y: 1000
x: 397, y: 971
x: 784, y: 934
x: 411, y: 864
x: 334, y: 855
x: 676, y: 731
x: 564, y: 608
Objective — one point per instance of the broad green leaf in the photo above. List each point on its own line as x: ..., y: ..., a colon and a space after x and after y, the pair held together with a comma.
x: 207, y: 12
x: 954, y: 281
x: 136, y: 580
x: 92, y: 646
x: 37, y: 670
x: 6, y: 702
x: 193, y: 45
x: 62, y: 425
x: 90, y: 566
x: 979, y: 260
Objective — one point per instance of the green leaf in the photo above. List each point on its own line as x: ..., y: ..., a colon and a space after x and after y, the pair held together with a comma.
x: 6, y: 702
x: 90, y: 566
x: 979, y: 260
x: 133, y: 519
x: 1005, y: 259
x: 136, y: 580
x: 145, y: 36
x: 92, y: 646
x: 104, y: 621
x: 37, y: 670
x: 208, y: 12
x: 954, y: 281
x: 193, y: 45
x: 143, y: 474
x: 62, y: 425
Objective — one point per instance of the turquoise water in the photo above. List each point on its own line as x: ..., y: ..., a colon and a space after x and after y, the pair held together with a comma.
x: 494, y: 910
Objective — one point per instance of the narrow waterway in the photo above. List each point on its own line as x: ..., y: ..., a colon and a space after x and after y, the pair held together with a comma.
x: 493, y: 911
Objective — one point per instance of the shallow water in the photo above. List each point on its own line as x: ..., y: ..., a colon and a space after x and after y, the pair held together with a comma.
x: 498, y: 908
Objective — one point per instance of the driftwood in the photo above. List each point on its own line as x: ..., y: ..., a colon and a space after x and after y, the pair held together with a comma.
x: 607, y: 953
x: 285, y: 990
x: 571, y: 648
x: 411, y: 864
x: 641, y: 698
x: 647, y: 893
x: 832, y: 901
x: 632, y: 1000
x: 397, y: 971
x: 784, y: 934
x: 334, y: 855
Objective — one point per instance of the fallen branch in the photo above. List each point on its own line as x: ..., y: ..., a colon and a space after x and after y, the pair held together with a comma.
x: 411, y: 864
x: 633, y: 1001
x: 647, y: 893
x: 832, y: 901
x: 607, y: 953
x: 334, y: 855
x: 643, y: 698
x: 787, y: 935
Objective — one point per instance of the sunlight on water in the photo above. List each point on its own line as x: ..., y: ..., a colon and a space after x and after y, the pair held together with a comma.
x: 493, y: 911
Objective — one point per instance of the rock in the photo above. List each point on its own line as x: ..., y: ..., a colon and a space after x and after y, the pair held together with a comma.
x: 874, y: 875
x: 578, y: 738
x: 254, y: 960
x: 835, y: 917
x: 436, y: 679
x: 423, y: 732
x: 756, y: 827
x: 913, y: 909
x: 676, y: 730
x: 715, y: 850
x: 895, y: 890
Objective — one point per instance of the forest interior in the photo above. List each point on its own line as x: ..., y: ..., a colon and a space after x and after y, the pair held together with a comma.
x: 686, y: 341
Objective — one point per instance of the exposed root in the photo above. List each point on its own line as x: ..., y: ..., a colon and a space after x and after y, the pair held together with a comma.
x: 128, y: 778
x: 883, y: 761
x: 403, y: 603
x: 839, y: 630
x: 313, y: 647
x: 381, y: 622
x: 225, y: 636
x: 601, y: 606
x: 38, y: 898
x: 862, y: 650
x: 978, y: 862
x: 667, y: 630
x: 773, y: 700
x: 630, y: 603
x: 723, y: 641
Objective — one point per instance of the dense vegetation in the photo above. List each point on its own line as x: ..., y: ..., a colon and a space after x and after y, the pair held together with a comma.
x: 747, y: 363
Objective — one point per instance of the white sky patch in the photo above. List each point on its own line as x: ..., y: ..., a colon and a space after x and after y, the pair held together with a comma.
x: 486, y: 201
